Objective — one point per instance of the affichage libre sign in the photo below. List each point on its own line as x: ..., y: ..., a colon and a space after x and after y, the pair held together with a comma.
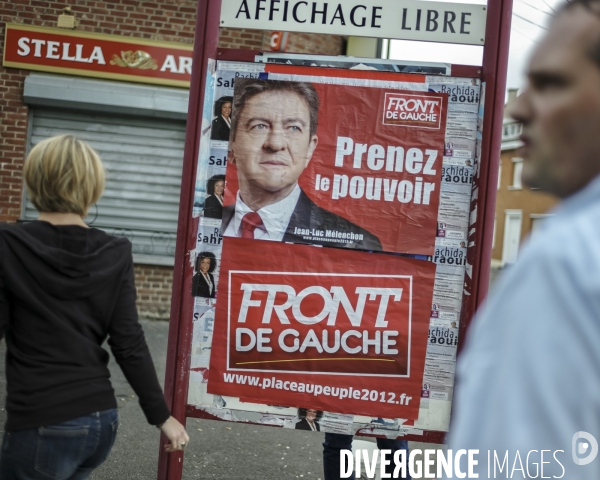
x: 459, y: 23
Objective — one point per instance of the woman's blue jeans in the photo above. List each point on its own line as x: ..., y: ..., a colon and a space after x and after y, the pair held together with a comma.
x: 68, y: 451
x: 334, y: 442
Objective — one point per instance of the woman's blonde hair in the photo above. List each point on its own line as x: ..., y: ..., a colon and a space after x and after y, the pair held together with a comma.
x: 64, y: 174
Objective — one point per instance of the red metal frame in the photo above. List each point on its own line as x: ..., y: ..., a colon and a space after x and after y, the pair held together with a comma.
x: 495, y: 65
x: 468, y: 71
x: 170, y: 466
x: 237, y: 54
x: 493, y: 72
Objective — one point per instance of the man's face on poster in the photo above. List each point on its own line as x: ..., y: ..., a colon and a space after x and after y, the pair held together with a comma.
x: 272, y: 144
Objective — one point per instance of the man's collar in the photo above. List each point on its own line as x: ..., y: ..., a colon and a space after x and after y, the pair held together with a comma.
x: 275, y: 217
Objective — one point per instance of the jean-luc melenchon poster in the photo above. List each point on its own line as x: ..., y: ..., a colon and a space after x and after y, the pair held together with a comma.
x: 345, y: 166
x: 331, y: 329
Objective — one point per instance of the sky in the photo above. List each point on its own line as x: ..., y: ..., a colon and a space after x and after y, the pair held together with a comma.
x: 529, y: 23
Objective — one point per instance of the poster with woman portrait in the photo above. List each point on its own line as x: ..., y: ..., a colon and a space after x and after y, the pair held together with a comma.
x: 206, y: 274
x: 221, y: 124
x: 213, y: 203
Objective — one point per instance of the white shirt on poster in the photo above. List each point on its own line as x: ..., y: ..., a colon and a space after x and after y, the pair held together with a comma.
x: 275, y: 217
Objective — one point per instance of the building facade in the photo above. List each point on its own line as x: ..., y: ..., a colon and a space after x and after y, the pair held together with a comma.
x: 138, y: 127
x: 519, y: 209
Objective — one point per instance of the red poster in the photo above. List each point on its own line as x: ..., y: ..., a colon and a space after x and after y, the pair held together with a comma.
x: 345, y: 166
x: 321, y: 328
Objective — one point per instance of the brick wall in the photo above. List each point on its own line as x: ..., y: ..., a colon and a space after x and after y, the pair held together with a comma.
x: 166, y: 20
x: 530, y: 202
x: 314, y: 43
x: 13, y: 137
x: 241, y: 38
x: 154, y: 285
x: 298, y: 42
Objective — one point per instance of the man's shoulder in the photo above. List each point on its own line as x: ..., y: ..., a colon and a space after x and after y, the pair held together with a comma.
x: 556, y: 272
x: 327, y: 217
x: 567, y: 240
x: 308, y: 212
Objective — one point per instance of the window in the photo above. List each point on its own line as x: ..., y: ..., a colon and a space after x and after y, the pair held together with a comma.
x: 499, y: 174
x: 517, y: 171
x: 511, y: 130
x: 512, y: 236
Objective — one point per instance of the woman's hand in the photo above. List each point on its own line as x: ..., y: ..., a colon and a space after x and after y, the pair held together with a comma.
x: 176, y: 434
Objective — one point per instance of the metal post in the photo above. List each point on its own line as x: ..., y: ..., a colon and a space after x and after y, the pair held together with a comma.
x: 495, y: 65
x: 170, y: 466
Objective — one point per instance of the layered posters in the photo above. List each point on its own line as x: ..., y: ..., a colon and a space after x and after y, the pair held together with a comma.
x: 321, y: 328
x: 360, y: 167
x: 439, y: 336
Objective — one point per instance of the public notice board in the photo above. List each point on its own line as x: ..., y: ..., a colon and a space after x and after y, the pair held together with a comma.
x: 334, y: 209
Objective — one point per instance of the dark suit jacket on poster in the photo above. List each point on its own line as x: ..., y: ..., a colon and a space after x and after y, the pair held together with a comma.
x: 303, y: 425
x: 200, y: 287
x: 212, y: 207
x: 220, y: 129
x: 308, y: 215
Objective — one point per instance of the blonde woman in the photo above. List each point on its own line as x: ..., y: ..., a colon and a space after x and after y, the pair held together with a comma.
x: 65, y: 288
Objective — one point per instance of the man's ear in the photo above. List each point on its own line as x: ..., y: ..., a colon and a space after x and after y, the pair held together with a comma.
x: 312, y: 145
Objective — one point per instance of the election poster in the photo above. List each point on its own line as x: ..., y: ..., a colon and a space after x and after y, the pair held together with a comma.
x: 443, y: 342
x: 455, y: 165
x: 321, y: 328
x: 216, y: 120
x: 354, y: 63
x: 335, y: 165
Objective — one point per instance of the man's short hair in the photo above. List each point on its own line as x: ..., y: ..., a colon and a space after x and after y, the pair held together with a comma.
x: 247, y: 88
x: 64, y: 174
x: 593, y: 6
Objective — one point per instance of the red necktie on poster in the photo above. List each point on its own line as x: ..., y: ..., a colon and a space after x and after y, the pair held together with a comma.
x: 250, y: 222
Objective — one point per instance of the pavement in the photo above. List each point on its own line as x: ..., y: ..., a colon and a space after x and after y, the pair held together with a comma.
x: 217, y: 450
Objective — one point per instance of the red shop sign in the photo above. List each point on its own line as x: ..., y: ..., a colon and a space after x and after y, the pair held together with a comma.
x: 96, y: 55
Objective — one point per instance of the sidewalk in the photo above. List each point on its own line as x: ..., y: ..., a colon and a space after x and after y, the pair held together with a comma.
x: 217, y: 450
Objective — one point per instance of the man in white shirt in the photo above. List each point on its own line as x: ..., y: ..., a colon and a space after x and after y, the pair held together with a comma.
x: 528, y: 381
x: 273, y: 139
